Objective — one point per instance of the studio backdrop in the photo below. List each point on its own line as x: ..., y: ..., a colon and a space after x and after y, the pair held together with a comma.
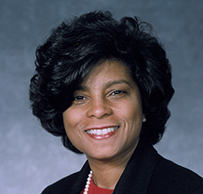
x: 30, y: 157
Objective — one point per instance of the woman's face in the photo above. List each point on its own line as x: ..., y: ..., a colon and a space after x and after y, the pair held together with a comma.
x: 105, y: 118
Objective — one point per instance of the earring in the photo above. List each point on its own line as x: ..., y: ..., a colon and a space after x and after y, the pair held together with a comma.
x: 144, y: 120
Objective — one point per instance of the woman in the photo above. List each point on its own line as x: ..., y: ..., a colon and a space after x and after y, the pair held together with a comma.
x: 104, y: 86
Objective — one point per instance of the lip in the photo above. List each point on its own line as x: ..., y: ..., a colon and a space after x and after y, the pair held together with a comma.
x: 102, y: 132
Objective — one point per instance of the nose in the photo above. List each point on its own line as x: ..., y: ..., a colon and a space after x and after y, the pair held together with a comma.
x: 99, y: 108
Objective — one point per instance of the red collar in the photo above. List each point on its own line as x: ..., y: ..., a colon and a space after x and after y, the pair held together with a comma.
x: 98, y: 190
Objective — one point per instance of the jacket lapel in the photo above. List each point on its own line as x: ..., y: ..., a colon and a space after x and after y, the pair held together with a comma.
x: 138, y: 173
x: 79, y: 184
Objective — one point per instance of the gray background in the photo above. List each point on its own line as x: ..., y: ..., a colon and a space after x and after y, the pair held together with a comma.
x: 30, y: 157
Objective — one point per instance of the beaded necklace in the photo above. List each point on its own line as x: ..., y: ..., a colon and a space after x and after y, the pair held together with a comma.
x: 88, y: 183
x: 90, y: 187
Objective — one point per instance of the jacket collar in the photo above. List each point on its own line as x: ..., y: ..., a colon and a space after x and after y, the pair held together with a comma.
x: 138, y: 173
x: 80, y: 182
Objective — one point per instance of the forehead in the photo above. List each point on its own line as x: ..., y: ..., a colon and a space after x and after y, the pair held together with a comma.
x: 106, y: 71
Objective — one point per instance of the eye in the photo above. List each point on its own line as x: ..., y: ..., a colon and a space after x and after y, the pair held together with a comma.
x: 118, y: 93
x: 79, y: 99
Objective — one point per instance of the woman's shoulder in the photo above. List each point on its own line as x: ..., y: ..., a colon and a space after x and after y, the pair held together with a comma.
x: 61, y: 185
x: 178, y: 177
x: 73, y: 183
x: 170, y: 167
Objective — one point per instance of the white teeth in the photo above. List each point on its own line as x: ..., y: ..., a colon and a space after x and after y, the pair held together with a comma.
x: 102, y: 131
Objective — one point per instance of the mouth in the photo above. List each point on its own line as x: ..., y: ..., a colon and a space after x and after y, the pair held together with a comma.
x: 102, y: 133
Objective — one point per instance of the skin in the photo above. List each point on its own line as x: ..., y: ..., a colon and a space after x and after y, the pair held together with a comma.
x: 108, y: 97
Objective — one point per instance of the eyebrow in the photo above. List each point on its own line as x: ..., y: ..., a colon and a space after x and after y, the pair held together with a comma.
x: 115, y: 82
x: 107, y: 85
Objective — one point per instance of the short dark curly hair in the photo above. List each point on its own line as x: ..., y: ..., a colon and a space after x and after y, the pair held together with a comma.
x: 73, y: 50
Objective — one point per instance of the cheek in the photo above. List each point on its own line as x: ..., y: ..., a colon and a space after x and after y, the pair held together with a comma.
x: 131, y: 111
x: 69, y: 121
x: 72, y: 119
x: 67, y: 118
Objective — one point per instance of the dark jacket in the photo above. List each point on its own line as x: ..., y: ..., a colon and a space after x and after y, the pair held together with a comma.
x: 146, y: 173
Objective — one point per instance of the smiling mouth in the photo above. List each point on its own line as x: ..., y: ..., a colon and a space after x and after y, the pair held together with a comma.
x: 102, y: 132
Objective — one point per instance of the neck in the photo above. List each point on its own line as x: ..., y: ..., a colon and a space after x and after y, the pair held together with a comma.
x: 106, y: 173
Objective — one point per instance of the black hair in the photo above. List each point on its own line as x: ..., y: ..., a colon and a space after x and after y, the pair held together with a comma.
x: 75, y: 47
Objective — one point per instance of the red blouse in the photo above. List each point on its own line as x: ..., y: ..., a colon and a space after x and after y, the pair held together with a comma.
x: 93, y: 189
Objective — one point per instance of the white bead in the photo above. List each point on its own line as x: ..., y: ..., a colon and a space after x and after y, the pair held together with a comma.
x: 87, y: 183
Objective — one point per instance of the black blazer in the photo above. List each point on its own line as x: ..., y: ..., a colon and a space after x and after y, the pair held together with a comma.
x: 146, y: 173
